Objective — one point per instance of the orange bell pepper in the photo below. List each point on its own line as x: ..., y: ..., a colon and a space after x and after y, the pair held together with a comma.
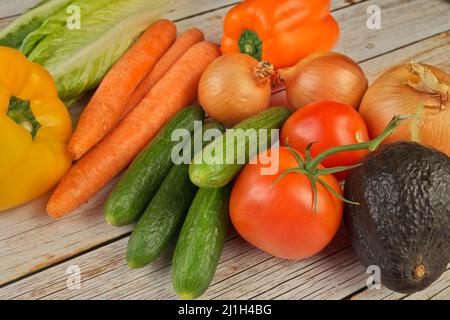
x: 280, y: 31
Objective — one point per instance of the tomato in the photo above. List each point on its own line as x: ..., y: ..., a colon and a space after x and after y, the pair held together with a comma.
x: 279, y: 218
x: 329, y: 124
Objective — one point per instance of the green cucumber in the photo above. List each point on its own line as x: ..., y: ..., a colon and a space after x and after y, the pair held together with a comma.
x: 140, y: 182
x: 212, y: 169
x: 200, y: 243
x: 165, y: 213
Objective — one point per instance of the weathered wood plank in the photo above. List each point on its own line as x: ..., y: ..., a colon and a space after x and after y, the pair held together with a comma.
x: 440, y: 289
x: 182, y: 9
x: 101, y: 264
x: 434, y: 51
x: 402, y: 24
x: 9, y: 8
x: 105, y: 276
x: 443, y: 295
x: 59, y: 240
x: 256, y: 281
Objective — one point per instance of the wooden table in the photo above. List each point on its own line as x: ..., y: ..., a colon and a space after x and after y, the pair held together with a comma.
x: 36, y: 252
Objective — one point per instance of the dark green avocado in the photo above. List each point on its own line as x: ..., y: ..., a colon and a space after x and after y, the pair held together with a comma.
x: 402, y: 223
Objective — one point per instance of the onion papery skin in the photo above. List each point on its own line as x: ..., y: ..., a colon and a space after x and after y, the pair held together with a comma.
x: 324, y: 76
x: 231, y: 91
x: 390, y: 95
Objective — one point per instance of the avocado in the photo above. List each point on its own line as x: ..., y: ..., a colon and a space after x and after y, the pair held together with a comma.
x: 402, y: 222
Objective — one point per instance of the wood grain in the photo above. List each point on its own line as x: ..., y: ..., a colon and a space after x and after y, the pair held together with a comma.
x: 402, y: 24
x: 182, y: 8
x: 439, y: 290
x: 30, y: 241
x: 434, y: 51
x: 9, y: 8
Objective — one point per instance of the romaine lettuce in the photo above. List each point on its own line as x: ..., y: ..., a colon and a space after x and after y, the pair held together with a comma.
x: 13, y: 35
x: 58, y: 21
x: 79, y: 58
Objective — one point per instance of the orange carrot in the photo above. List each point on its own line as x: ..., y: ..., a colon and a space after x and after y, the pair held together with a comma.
x: 115, y: 152
x: 109, y: 102
x: 181, y: 45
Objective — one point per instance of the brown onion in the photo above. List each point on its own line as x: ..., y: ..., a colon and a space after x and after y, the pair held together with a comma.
x: 234, y: 87
x: 324, y: 76
x: 416, y: 89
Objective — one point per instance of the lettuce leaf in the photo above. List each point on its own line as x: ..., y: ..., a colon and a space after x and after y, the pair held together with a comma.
x: 58, y: 21
x: 79, y: 58
x: 13, y: 35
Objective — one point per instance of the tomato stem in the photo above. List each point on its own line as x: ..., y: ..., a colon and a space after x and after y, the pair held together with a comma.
x: 288, y: 171
x: 371, y: 145
x: 335, y: 193
x: 314, y: 187
x: 309, y: 167
x: 308, y: 152
x: 323, y: 172
x: 313, y: 175
x: 296, y: 156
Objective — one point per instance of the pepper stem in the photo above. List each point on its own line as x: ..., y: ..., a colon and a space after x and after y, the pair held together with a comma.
x: 249, y: 43
x: 20, y: 112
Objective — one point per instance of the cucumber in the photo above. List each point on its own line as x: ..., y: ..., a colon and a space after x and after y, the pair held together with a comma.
x: 212, y: 169
x: 140, y: 182
x: 200, y: 243
x: 165, y: 213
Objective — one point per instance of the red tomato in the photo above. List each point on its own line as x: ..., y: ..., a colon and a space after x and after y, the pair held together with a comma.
x: 279, y: 218
x: 330, y: 124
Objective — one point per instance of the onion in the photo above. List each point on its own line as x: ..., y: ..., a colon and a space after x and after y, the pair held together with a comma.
x: 234, y: 87
x: 323, y: 76
x: 416, y: 89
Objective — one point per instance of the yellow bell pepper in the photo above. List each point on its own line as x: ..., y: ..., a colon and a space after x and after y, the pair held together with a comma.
x: 34, y: 129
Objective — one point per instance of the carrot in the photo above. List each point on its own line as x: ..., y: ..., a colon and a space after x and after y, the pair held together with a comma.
x: 109, y: 102
x: 108, y: 158
x: 181, y: 45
